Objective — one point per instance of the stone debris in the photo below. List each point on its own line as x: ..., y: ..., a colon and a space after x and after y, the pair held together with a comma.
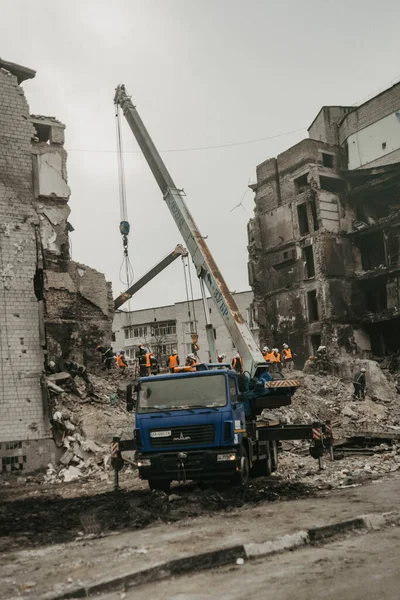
x: 83, y: 430
x: 348, y: 470
x: 70, y: 474
x: 322, y: 397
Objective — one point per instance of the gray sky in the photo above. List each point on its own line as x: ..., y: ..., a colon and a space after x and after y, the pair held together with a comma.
x: 202, y: 73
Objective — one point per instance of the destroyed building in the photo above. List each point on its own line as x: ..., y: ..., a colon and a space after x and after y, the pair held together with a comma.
x: 50, y: 306
x: 324, y: 243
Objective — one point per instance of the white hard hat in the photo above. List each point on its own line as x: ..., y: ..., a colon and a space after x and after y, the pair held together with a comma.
x: 191, y: 355
x: 174, y: 351
x: 363, y: 370
x: 52, y: 364
x: 285, y: 346
x: 265, y: 349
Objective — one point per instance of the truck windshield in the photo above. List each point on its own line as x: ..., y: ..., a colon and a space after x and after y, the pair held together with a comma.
x: 182, y: 393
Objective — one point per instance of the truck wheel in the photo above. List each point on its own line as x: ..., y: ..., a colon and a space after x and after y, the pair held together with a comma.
x: 160, y: 484
x: 274, y: 451
x: 263, y: 467
x: 241, y: 477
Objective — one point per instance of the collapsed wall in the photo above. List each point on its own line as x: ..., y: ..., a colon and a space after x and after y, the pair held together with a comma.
x: 50, y: 306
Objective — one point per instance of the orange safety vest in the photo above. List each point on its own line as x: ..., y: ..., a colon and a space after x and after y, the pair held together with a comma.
x: 190, y: 362
x: 148, y: 363
x: 173, y: 361
x: 287, y: 353
x: 120, y: 360
x: 268, y: 356
x: 234, y: 362
x: 275, y: 358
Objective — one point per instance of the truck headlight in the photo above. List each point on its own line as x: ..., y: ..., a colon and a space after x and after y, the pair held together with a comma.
x: 227, y: 456
x: 144, y: 462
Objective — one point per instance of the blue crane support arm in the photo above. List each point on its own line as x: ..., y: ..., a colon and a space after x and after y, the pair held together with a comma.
x: 203, y: 260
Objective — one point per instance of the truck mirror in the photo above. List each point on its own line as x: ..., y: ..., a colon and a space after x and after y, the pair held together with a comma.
x: 129, y: 398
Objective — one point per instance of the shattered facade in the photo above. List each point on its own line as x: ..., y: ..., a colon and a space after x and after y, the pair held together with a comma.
x: 324, y: 243
x: 50, y: 306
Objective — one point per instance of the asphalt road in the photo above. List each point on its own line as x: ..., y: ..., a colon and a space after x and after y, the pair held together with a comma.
x: 361, y: 567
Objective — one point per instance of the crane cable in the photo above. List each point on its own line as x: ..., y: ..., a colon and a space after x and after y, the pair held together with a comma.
x: 192, y: 321
x: 124, y: 226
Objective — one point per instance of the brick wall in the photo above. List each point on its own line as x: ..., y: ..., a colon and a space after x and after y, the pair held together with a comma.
x: 21, y: 356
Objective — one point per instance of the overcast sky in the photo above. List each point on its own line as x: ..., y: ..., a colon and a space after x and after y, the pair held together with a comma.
x: 202, y: 73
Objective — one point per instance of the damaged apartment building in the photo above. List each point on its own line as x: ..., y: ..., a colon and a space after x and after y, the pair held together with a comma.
x: 324, y: 243
x: 50, y: 306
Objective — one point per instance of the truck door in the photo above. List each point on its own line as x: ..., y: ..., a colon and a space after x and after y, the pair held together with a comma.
x: 239, y: 420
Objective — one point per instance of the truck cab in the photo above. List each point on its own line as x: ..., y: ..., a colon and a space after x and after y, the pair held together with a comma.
x: 190, y: 425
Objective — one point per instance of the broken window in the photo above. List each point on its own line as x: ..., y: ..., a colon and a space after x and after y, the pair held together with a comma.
x: 42, y: 132
x: 315, y: 342
x: 372, y: 250
x: 385, y: 337
x: 327, y: 160
x: 301, y: 184
x: 376, y: 297
x: 303, y: 218
x: 312, y: 306
x: 314, y: 214
x: 331, y: 184
x: 308, y: 258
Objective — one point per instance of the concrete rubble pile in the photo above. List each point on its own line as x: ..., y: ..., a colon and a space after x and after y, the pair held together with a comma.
x: 345, y: 471
x: 83, y: 425
x: 323, y: 397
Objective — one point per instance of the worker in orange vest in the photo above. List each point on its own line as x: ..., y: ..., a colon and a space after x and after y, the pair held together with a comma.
x: 287, y: 356
x: 191, y: 360
x: 266, y: 353
x: 121, y: 362
x: 275, y: 360
x: 173, y: 361
x: 237, y: 363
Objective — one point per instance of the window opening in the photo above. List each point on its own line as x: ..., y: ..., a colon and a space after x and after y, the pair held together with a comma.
x: 303, y: 218
x: 301, y: 184
x: 308, y: 258
x: 331, y: 184
x: 314, y: 215
x: 327, y: 160
x: 315, y: 342
x: 376, y: 298
x: 372, y: 250
x: 312, y: 304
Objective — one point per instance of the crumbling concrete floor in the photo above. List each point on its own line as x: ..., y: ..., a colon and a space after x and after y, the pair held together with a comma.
x: 62, y: 566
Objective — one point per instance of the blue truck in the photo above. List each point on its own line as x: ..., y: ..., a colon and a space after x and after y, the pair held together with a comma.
x: 205, y: 424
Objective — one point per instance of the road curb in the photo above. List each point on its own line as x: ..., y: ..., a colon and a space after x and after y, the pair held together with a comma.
x: 224, y: 556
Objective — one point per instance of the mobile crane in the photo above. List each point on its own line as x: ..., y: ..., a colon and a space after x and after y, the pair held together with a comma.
x: 203, y: 424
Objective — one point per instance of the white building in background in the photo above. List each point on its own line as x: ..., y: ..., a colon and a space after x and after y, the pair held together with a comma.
x: 169, y: 327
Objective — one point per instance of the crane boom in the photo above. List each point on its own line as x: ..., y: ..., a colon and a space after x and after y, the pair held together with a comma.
x: 167, y: 260
x: 202, y: 258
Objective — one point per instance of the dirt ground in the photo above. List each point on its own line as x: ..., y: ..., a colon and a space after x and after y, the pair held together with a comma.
x: 61, y: 514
